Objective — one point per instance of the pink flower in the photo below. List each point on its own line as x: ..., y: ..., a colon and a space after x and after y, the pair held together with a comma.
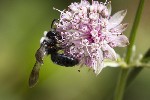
x: 90, y: 32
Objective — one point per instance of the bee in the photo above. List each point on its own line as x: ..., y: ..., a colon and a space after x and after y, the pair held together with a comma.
x: 49, y: 46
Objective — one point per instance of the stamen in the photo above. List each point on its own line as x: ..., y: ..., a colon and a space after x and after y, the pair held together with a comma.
x: 57, y: 10
x: 88, y: 50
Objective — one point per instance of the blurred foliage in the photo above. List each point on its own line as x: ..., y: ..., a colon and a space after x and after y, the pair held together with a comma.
x: 22, y: 23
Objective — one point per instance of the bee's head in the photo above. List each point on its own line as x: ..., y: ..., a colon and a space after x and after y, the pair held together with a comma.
x: 51, y: 33
x: 50, y: 37
x: 48, y: 41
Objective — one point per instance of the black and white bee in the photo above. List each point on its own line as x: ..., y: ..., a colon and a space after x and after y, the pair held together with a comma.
x: 49, y: 46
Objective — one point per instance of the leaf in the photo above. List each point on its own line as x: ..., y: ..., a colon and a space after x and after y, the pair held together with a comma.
x: 146, y: 57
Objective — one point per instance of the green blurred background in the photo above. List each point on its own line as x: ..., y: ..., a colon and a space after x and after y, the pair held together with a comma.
x: 22, y: 23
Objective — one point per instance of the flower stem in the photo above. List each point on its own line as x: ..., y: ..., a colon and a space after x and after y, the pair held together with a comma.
x: 134, y: 30
x: 121, y: 84
x: 122, y: 81
x: 135, y: 71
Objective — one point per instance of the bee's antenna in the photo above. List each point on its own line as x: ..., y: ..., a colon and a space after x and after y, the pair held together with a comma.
x: 53, y: 22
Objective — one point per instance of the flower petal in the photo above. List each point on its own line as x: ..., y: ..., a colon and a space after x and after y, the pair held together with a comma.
x: 99, y: 65
x: 121, y: 41
x: 116, y: 19
x: 110, y: 52
x: 121, y: 28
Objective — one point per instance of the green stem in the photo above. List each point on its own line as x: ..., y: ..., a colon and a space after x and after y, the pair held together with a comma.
x: 122, y: 81
x: 134, y: 30
x: 121, y: 84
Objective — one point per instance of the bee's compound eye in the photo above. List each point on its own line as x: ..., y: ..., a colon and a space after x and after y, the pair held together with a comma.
x: 42, y: 39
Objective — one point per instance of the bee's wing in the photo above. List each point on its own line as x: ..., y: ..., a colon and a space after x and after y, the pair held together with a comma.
x: 34, y: 74
x: 39, y: 61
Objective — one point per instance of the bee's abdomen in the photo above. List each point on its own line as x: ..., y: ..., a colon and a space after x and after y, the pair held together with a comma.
x: 64, y: 60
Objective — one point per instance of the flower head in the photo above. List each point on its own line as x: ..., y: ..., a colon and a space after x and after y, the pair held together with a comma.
x: 89, y: 32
